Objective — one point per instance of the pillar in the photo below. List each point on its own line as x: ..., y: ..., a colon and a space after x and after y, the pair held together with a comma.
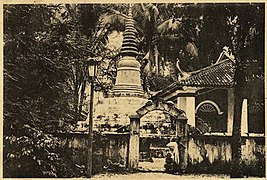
x: 187, y: 104
x: 244, y: 117
x: 230, y: 110
x: 190, y: 110
x: 181, y: 103
x: 180, y: 125
x: 134, y: 142
x: 182, y: 132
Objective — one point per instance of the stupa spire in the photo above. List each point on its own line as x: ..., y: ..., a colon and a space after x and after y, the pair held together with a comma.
x: 128, y: 81
x: 129, y: 46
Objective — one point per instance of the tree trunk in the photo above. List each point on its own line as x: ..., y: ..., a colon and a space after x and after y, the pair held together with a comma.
x: 81, y: 98
x: 76, y: 102
x: 236, y: 170
x: 236, y: 138
x: 156, y: 56
x: 173, y: 70
x: 151, y: 60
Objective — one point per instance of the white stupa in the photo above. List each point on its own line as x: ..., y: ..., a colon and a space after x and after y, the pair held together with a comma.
x: 127, y: 95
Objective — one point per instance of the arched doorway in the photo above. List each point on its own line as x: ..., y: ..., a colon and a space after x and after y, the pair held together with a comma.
x: 149, y: 137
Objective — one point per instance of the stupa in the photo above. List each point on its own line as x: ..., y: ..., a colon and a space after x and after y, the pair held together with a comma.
x: 127, y: 95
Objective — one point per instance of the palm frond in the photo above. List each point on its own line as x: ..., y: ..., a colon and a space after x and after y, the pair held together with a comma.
x: 170, y: 26
x: 114, y: 20
x: 153, y: 12
x: 192, y: 49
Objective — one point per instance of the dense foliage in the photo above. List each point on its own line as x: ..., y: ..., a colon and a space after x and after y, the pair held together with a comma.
x: 44, y: 71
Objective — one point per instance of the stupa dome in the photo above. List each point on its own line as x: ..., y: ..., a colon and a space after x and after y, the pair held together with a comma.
x: 128, y: 61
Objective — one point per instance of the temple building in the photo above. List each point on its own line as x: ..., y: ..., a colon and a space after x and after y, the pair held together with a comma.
x: 207, y: 97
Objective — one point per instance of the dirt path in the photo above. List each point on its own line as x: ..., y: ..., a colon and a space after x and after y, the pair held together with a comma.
x: 155, y: 176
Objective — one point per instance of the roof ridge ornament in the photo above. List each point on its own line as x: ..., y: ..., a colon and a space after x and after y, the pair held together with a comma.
x: 183, y: 75
x: 226, y: 52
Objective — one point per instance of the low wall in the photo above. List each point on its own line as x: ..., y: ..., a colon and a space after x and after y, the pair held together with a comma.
x: 210, y: 154
x: 207, y: 154
x: 117, y: 149
x: 109, y: 150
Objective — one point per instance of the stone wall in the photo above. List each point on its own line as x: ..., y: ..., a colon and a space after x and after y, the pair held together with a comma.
x: 208, y: 154
x: 117, y: 149
x: 109, y: 151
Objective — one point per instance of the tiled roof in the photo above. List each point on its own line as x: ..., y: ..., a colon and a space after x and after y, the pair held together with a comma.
x: 220, y: 74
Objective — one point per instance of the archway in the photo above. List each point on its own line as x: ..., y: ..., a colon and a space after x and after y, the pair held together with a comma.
x: 179, y: 119
x: 168, y: 107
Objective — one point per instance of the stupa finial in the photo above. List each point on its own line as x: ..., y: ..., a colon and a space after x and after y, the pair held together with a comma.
x: 129, y: 46
x: 130, y: 14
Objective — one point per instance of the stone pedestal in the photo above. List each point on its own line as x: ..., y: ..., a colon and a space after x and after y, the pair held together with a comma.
x: 122, y: 106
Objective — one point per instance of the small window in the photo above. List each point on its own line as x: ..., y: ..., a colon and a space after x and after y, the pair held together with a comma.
x: 207, y: 108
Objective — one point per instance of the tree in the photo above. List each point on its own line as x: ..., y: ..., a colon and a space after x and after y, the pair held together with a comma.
x: 247, y: 32
x: 240, y: 26
x: 33, y: 83
x: 44, y: 75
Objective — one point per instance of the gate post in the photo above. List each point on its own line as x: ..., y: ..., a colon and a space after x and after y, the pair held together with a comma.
x: 134, y: 142
x: 185, y: 143
x: 182, y: 129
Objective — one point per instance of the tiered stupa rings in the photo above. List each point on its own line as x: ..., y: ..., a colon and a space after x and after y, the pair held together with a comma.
x: 128, y: 81
x: 129, y: 47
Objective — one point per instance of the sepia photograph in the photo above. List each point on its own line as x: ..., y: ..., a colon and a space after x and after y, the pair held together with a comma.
x: 134, y: 90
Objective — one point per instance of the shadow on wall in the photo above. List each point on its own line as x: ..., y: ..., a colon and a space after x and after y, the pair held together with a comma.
x: 109, y: 151
x: 213, y: 155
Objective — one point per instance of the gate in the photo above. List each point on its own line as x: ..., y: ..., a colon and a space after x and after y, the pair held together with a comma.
x: 156, y: 151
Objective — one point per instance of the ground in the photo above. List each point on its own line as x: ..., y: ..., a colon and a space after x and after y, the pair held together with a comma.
x: 156, y: 165
x: 157, y: 175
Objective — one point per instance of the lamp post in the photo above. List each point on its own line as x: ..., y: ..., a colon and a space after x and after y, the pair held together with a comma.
x: 92, y: 70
